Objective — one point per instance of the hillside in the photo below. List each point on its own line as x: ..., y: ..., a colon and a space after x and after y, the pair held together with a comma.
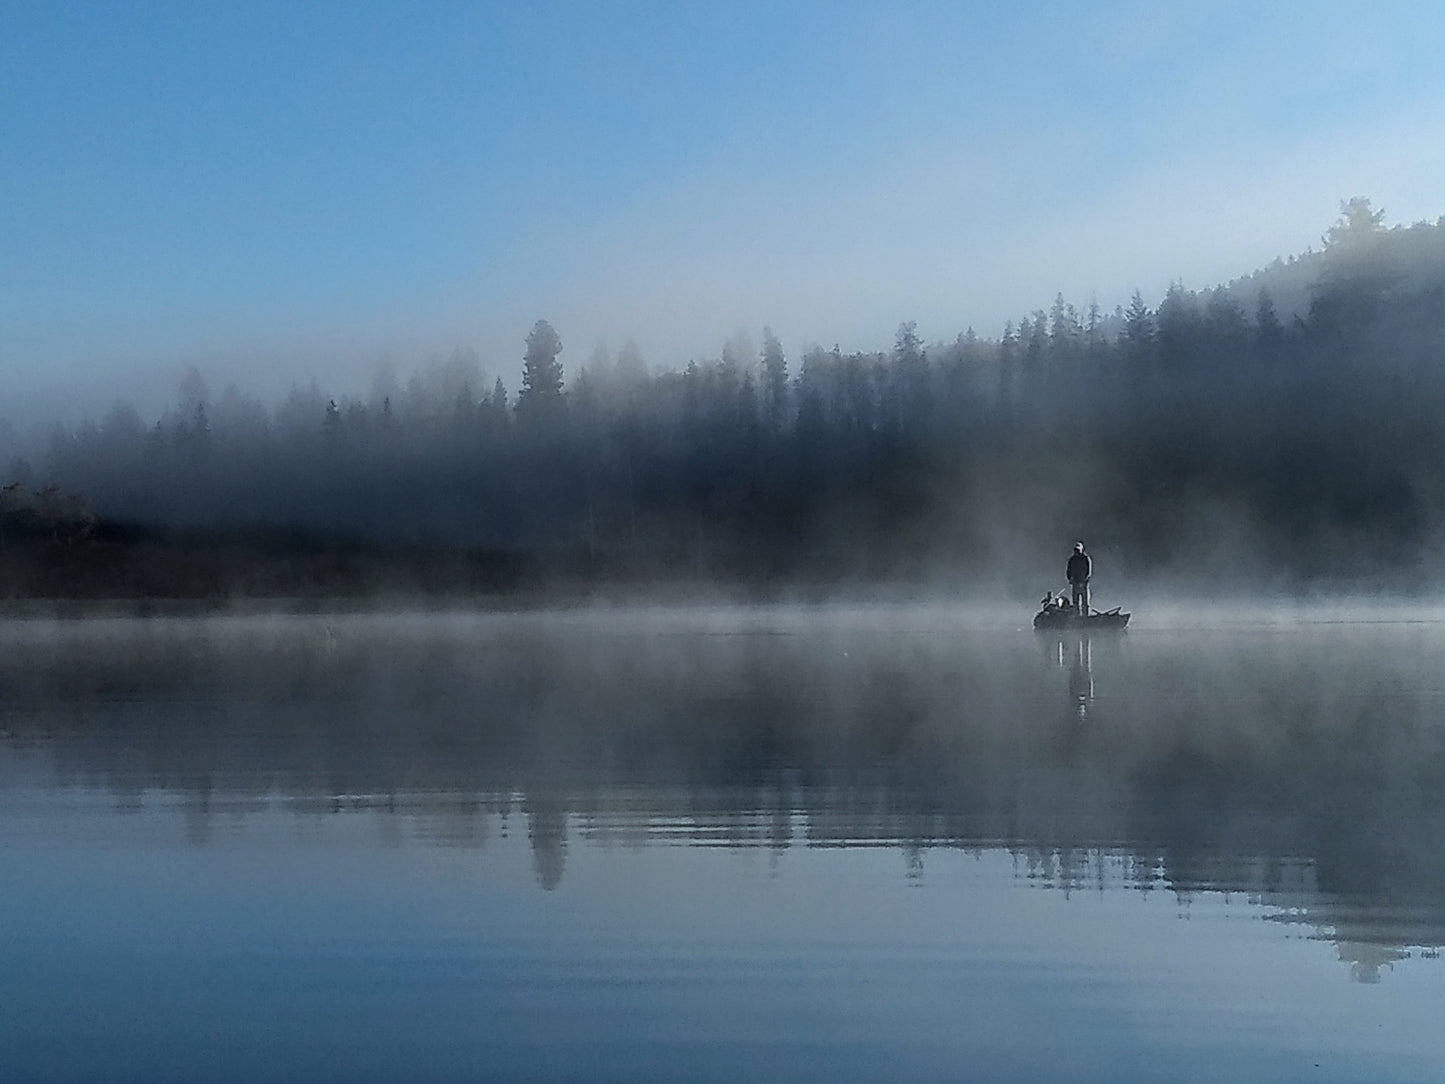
x: 1284, y: 429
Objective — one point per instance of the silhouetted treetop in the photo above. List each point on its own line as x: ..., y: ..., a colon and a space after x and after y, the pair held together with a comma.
x: 1357, y: 221
x: 541, y: 371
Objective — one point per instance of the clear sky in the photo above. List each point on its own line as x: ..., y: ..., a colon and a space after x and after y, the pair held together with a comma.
x: 276, y: 191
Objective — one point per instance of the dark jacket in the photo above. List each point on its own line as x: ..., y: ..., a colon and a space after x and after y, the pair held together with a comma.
x: 1080, y: 568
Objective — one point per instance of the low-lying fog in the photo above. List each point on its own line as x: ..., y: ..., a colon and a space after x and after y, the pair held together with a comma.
x: 1211, y: 744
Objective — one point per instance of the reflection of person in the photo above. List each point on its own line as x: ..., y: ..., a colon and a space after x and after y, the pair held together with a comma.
x: 1081, y: 567
x: 1081, y: 677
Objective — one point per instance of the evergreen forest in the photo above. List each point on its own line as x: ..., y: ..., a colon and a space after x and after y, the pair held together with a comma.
x: 1284, y: 431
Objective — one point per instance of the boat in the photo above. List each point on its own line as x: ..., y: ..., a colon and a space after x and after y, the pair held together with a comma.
x: 1067, y: 619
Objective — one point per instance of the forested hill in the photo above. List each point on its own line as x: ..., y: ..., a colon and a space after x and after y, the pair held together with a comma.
x: 1285, y: 429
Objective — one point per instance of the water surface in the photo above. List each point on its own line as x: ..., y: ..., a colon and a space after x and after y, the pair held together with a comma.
x: 721, y: 844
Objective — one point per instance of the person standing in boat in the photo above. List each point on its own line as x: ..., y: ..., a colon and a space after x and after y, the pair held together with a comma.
x: 1081, y: 567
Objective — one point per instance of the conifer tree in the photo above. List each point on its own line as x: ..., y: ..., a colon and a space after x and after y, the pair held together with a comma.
x: 541, y: 372
x: 775, y: 382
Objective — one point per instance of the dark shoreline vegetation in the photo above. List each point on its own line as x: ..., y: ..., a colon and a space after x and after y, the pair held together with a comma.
x: 1285, y: 431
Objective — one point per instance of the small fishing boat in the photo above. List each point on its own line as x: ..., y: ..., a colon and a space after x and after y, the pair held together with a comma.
x: 1066, y: 618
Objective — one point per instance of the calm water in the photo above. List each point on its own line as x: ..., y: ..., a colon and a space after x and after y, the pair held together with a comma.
x: 909, y: 844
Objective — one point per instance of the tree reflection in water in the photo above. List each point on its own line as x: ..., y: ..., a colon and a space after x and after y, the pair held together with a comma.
x: 1302, y: 767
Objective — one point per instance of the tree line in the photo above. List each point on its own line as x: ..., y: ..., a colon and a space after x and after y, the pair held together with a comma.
x: 1283, y: 428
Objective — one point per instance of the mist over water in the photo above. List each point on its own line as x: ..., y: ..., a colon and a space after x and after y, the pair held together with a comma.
x: 464, y: 813
x: 520, y: 525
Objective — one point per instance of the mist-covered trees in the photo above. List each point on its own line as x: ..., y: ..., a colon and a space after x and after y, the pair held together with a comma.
x: 541, y: 393
x: 1358, y: 221
x: 1307, y: 435
x: 775, y: 382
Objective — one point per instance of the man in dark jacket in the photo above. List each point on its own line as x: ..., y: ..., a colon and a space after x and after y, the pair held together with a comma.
x: 1079, y: 571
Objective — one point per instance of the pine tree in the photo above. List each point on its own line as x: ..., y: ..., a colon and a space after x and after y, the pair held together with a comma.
x: 1138, y: 333
x: 1268, y: 333
x: 541, y: 392
x: 910, y: 363
x: 775, y: 382
x: 1178, y: 329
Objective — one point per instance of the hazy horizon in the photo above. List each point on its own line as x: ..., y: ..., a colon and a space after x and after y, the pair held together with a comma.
x: 272, y: 196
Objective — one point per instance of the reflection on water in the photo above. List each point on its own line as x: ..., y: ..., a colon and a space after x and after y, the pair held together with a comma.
x: 1075, y: 653
x: 1303, y: 768
x: 1294, y: 772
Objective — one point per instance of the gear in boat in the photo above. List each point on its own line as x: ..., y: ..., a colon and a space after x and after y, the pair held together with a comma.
x: 1058, y: 613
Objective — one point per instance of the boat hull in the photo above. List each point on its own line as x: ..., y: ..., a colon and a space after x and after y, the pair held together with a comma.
x: 1093, y: 623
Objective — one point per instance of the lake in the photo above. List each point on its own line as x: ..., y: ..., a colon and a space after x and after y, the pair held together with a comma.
x: 912, y: 843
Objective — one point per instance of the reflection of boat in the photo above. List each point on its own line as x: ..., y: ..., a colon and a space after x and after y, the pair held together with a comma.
x: 1067, y: 619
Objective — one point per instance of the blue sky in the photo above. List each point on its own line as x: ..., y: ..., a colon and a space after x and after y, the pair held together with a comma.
x: 276, y: 191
